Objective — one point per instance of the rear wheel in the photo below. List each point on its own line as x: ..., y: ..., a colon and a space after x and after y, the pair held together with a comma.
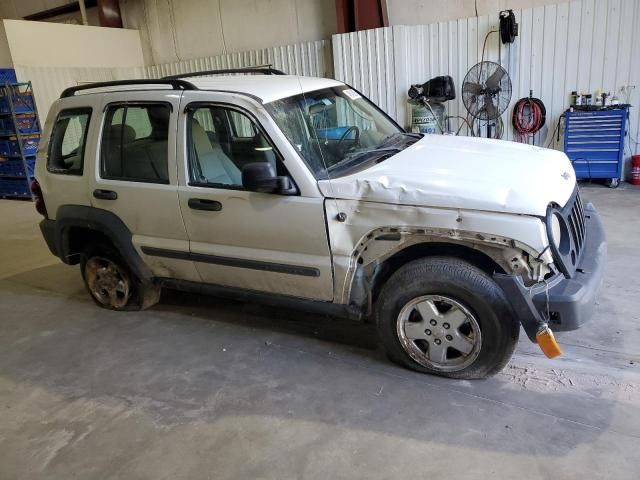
x: 444, y: 316
x: 112, y: 284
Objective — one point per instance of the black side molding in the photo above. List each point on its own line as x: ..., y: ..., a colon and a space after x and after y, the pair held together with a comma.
x: 233, y: 262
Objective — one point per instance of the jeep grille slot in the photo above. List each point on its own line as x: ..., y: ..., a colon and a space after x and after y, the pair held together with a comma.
x: 576, y: 225
x: 568, y: 255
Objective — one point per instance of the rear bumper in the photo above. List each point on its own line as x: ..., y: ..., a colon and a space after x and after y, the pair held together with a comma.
x: 565, y: 302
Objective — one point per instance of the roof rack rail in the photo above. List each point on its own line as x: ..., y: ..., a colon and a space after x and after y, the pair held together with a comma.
x: 175, y: 83
x: 261, y: 70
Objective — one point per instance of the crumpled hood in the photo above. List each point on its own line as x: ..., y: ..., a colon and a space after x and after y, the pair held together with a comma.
x: 466, y: 173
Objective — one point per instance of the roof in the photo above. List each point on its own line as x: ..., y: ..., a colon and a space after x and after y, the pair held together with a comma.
x: 266, y: 87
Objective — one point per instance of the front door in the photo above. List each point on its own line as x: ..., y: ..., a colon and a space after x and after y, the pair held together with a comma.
x: 256, y: 241
x: 136, y: 176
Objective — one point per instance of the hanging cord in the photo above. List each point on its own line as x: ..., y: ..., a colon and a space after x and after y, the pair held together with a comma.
x: 484, y: 46
x: 435, y: 117
x: 498, y: 131
x: 528, y: 118
x: 462, y: 124
x: 556, y: 131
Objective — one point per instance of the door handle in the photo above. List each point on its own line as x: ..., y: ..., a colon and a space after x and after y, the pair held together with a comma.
x: 204, y: 204
x: 105, y: 194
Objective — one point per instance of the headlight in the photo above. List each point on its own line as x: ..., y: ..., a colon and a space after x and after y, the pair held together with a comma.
x: 556, y: 230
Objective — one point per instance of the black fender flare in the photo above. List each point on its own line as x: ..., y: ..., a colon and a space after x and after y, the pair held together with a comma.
x: 93, y: 219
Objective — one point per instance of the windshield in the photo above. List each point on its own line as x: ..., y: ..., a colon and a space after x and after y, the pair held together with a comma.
x: 337, y: 130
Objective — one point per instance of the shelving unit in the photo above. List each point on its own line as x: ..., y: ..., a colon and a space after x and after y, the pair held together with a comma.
x: 19, y: 139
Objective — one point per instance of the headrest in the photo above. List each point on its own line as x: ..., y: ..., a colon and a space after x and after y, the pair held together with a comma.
x: 318, y: 108
x: 127, y: 132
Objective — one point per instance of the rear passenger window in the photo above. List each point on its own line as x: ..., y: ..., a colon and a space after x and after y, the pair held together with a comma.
x: 66, y: 148
x: 135, y: 143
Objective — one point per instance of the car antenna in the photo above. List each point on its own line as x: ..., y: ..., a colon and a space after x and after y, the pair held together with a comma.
x: 340, y: 216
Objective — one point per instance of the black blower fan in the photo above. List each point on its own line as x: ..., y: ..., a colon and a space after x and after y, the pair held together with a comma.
x: 486, y: 91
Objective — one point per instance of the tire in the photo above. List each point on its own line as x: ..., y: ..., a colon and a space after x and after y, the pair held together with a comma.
x: 112, y: 284
x: 463, y: 307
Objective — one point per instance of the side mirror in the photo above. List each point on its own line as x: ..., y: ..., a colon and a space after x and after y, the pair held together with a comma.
x: 261, y: 177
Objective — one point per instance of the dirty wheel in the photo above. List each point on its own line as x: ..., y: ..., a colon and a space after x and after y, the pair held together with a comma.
x: 107, y: 282
x: 111, y: 284
x: 442, y: 315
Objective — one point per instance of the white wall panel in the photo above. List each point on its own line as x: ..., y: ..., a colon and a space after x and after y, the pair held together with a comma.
x: 581, y: 45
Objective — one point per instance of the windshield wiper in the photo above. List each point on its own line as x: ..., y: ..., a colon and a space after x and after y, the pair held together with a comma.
x: 349, y: 160
x: 403, y: 135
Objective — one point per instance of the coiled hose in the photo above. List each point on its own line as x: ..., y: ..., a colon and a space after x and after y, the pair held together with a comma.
x: 529, y: 116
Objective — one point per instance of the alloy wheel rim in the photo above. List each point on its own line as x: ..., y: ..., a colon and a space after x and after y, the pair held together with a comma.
x: 439, y: 333
x: 107, y: 282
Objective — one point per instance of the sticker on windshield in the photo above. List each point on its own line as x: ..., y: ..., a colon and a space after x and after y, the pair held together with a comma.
x: 352, y: 94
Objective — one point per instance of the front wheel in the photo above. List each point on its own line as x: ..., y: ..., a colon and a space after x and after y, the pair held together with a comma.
x: 444, y: 316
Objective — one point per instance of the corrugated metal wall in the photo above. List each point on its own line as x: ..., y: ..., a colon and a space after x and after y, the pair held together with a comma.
x: 49, y: 82
x: 579, y: 45
x: 307, y: 58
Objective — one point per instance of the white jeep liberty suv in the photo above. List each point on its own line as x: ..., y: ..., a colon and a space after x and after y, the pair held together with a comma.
x: 300, y: 192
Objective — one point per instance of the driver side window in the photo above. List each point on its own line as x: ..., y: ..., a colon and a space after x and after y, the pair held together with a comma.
x: 67, y: 144
x: 221, y: 141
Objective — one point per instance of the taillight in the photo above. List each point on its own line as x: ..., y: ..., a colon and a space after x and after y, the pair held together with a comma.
x: 37, y: 193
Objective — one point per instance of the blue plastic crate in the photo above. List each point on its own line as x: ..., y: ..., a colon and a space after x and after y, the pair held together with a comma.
x: 22, y: 103
x: 15, y: 168
x: 25, y: 123
x: 11, y: 147
x: 15, y: 188
x: 8, y: 75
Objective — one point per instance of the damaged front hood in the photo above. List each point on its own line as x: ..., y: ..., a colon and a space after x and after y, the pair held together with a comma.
x: 466, y: 173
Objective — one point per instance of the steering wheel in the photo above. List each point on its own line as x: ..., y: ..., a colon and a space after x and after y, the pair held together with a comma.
x: 344, y: 136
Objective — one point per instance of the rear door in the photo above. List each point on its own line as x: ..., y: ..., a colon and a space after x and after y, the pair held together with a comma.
x: 136, y: 175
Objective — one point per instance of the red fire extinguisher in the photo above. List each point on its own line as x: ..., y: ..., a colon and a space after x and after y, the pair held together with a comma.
x: 635, y: 170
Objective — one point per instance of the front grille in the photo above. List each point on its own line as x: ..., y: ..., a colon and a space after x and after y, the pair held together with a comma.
x: 568, y: 254
x: 576, y: 225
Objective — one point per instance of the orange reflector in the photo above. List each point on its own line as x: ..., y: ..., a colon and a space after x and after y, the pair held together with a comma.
x: 547, y: 343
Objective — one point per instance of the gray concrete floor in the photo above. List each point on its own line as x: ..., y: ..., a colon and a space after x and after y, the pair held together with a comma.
x: 205, y: 388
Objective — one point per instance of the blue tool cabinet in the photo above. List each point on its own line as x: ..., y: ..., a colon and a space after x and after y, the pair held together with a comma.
x: 594, y: 142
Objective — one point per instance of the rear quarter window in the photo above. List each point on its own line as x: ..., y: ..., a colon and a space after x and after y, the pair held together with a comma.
x: 68, y: 141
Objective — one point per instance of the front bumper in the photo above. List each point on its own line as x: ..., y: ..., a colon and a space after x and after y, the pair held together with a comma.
x: 562, y: 303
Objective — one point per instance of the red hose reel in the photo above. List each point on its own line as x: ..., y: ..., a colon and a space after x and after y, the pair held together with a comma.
x: 529, y: 116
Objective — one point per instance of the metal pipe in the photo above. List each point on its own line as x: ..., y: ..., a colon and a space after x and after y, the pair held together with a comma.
x: 83, y: 12
x: 109, y: 13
